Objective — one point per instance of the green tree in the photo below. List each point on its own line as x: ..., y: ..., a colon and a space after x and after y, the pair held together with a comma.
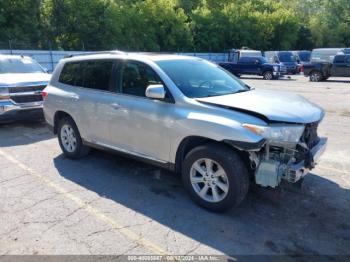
x: 19, y: 22
x: 76, y: 24
x: 256, y: 23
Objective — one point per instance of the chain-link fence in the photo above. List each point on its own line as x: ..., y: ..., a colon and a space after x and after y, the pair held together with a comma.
x: 49, y: 58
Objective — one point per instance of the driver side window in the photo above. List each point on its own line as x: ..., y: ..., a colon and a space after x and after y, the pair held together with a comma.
x: 136, y: 77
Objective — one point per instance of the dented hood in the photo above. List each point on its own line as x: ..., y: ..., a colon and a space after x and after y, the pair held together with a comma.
x: 271, y: 106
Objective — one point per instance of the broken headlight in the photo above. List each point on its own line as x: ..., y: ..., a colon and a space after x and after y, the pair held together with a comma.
x: 278, y: 133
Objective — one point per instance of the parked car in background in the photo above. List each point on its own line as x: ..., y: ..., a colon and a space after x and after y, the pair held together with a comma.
x: 185, y: 114
x: 255, y: 66
x: 236, y: 54
x: 22, y: 80
x: 324, y: 55
x: 286, y: 58
x: 340, y: 67
x: 302, y: 56
x: 346, y: 50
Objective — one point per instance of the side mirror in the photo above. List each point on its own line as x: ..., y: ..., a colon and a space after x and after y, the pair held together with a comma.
x: 155, y: 91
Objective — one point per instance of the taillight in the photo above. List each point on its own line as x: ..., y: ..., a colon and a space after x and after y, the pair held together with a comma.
x: 44, y: 94
x: 301, y: 68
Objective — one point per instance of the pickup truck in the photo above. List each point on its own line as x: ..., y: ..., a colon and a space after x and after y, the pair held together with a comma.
x: 22, y: 80
x: 286, y: 58
x: 255, y: 66
x: 340, y: 67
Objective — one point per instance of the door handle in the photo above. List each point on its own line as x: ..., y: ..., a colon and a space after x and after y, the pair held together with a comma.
x: 74, y: 97
x: 116, y: 106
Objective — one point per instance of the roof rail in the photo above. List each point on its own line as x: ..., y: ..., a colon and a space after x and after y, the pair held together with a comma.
x: 96, y: 53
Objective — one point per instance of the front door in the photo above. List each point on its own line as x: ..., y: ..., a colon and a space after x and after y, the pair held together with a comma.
x: 347, y: 68
x: 339, y: 66
x: 139, y: 124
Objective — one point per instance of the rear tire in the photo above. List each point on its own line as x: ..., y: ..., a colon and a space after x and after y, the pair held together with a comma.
x: 268, y: 75
x: 222, y: 181
x: 70, y: 140
x: 316, y: 76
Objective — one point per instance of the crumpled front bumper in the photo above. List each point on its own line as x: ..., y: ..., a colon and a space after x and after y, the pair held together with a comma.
x: 271, y: 171
x: 296, y: 171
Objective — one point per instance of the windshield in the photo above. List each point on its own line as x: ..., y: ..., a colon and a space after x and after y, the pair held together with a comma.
x: 199, y: 78
x: 304, y: 56
x: 19, y: 65
x: 263, y: 60
x: 286, y: 57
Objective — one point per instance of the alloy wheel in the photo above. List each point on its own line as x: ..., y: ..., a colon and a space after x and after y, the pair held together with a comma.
x: 68, y: 138
x: 209, y: 180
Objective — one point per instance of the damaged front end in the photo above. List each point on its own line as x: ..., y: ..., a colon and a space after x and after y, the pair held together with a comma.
x: 285, y: 160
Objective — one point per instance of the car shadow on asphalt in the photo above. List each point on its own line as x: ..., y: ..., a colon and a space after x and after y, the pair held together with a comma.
x: 311, y: 220
x: 337, y: 81
x: 23, y: 133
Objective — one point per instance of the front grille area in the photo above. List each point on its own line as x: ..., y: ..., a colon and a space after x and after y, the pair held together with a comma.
x: 19, y: 99
x: 26, y: 99
x: 19, y: 89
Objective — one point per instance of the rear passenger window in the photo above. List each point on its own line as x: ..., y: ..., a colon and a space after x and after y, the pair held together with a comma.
x: 136, y: 77
x: 243, y: 60
x: 95, y: 74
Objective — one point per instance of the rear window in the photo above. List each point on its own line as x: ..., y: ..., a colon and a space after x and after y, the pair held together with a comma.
x: 94, y: 74
x: 247, y: 60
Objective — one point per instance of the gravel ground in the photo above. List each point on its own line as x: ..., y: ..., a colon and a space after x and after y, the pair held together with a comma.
x: 106, y: 204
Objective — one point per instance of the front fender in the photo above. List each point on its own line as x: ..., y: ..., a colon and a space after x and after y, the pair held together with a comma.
x: 217, y: 127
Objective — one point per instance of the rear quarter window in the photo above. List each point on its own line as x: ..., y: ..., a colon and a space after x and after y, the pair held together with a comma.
x: 68, y: 73
x: 92, y: 74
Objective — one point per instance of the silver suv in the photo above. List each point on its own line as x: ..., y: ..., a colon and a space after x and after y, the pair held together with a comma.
x: 185, y: 114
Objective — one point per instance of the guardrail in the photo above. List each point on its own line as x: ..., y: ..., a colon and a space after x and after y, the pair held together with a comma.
x: 49, y: 59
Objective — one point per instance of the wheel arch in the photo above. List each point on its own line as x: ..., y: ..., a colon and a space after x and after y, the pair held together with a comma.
x: 191, y: 142
x: 58, y: 116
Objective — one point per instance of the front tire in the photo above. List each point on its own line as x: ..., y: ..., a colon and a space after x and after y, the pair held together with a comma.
x: 215, y: 177
x: 268, y: 75
x: 70, y: 140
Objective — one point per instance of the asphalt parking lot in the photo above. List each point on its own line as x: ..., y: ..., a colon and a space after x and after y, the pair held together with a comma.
x: 107, y: 204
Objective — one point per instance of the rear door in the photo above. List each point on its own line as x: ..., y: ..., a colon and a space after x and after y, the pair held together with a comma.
x: 94, y: 83
x: 243, y: 65
x: 347, y: 69
x: 339, y: 66
x: 140, y: 125
x: 251, y: 65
